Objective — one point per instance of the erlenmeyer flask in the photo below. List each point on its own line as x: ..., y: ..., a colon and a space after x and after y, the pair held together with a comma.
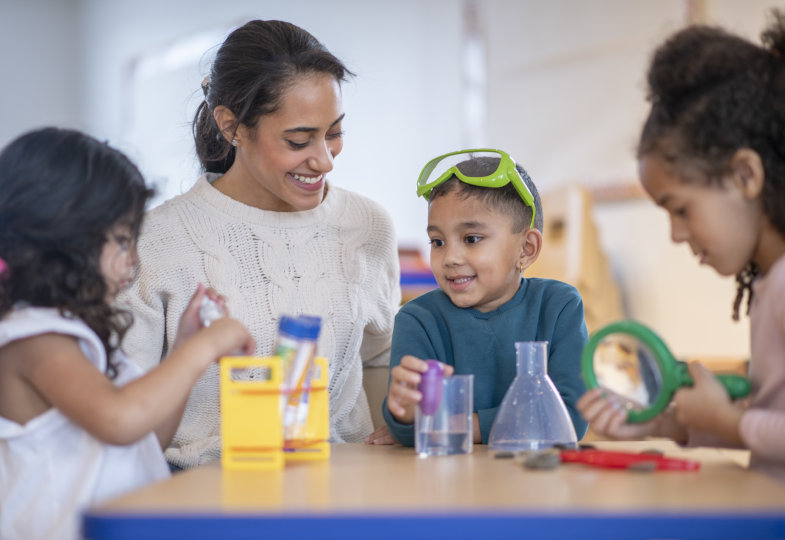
x: 532, y: 415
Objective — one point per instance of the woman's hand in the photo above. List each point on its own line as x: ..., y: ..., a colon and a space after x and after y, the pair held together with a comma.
x: 380, y: 436
x: 403, y: 395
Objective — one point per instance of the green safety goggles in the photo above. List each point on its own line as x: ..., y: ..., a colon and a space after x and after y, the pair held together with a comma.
x: 442, y: 168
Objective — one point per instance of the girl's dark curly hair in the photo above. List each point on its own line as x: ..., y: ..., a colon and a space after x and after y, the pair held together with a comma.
x: 713, y: 93
x: 61, y: 192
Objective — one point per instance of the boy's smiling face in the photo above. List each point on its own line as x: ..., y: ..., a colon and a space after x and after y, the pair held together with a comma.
x: 475, y: 255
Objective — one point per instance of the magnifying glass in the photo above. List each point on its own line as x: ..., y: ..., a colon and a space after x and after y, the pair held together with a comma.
x: 629, y: 360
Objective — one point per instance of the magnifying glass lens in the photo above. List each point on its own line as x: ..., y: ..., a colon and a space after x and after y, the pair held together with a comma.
x: 627, y: 369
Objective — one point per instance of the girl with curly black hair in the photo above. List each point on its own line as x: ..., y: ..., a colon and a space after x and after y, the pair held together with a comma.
x: 78, y: 423
x: 712, y: 154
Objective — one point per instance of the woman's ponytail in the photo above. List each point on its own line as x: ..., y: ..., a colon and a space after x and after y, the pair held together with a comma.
x: 213, y: 150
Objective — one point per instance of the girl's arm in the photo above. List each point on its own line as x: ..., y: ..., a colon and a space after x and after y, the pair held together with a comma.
x: 58, y: 370
x: 190, y: 323
x: 609, y: 419
x: 763, y: 432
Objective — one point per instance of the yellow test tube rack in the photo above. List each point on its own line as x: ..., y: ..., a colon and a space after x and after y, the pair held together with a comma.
x: 252, y: 435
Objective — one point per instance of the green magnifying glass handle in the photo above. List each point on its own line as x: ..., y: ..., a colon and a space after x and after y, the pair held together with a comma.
x: 736, y: 385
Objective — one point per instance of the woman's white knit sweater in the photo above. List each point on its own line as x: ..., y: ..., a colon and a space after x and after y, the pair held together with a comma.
x: 338, y: 261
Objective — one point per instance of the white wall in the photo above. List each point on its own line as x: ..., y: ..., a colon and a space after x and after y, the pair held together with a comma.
x: 564, y: 88
x: 40, y: 67
x: 401, y: 109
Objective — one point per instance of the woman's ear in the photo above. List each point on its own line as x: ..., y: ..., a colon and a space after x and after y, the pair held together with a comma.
x: 748, y: 172
x: 530, y: 248
x: 227, y: 123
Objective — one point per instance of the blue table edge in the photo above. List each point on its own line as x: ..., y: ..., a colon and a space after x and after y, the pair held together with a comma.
x: 692, y: 525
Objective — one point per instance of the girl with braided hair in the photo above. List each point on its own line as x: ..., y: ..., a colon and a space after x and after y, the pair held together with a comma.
x: 712, y: 154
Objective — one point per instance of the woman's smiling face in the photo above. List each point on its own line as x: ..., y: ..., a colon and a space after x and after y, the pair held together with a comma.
x: 281, y: 164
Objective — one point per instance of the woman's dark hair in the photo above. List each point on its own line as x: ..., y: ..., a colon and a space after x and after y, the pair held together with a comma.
x: 504, y: 199
x: 253, y: 68
x: 713, y: 93
x: 61, y: 191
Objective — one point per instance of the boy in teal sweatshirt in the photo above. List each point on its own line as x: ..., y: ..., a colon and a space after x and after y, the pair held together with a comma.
x: 485, y: 229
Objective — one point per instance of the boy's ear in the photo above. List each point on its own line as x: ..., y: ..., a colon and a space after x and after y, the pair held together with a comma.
x: 530, y: 248
x: 227, y: 122
x: 748, y: 172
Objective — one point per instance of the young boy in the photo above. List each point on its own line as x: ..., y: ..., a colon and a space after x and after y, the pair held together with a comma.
x: 485, y: 229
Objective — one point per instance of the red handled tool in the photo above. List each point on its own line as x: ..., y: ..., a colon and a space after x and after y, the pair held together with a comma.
x: 628, y: 460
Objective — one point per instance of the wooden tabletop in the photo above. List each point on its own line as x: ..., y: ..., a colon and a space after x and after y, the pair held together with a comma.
x: 384, y: 491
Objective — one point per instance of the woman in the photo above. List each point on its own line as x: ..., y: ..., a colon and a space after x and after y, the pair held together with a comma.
x: 264, y: 228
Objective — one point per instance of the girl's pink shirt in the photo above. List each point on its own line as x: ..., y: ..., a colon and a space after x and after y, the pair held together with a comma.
x: 762, y: 426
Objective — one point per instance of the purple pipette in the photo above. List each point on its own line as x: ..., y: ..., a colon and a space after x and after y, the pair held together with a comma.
x: 431, y: 389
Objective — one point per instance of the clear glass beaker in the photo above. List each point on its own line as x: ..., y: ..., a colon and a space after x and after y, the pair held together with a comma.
x: 532, y: 415
x: 449, y: 429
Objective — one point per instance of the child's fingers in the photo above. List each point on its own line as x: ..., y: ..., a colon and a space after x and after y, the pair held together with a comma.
x: 405, y: 395
x: 231, y: 335
x: 701, y: 375
x: 196, y: 299
x: 405, y: 376
x: 394, y: 407
x: 603, y: 414
x: 249, y: 345
x: 592, y: 409
x: 608, y: 420
x: 397, y: 408
x: 413, y: 363
x: 217, y: 297
x: 588, y: 398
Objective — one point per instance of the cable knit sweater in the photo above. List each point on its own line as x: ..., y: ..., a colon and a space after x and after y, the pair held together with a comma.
x: 338, y: 260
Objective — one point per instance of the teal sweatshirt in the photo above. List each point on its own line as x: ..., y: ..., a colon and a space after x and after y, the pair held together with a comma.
x: 483, y: 344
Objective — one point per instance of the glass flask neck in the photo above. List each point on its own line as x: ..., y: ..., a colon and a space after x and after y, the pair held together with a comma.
x: 531, y: 357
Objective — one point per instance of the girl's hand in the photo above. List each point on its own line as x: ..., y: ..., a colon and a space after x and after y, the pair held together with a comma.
x: 706, y: 406
x: 403, y: 395
x: 190, y: 322
x: 227, y: 336
x: 607, y: 416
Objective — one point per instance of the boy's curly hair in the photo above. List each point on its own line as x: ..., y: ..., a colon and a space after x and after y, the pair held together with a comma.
x: 61, y: 192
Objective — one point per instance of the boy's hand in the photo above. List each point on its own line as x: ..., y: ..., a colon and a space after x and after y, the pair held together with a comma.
x: 706, y: 406
x: 403, y: 394
x: 607, y: 417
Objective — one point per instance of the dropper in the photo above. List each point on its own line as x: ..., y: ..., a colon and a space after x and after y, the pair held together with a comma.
x: 431, y: 389
x: 210, y: 311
